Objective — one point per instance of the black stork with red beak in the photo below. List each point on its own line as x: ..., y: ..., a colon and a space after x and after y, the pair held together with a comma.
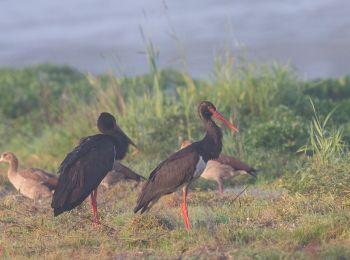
x: 222, y: 168
x: 182, y: 167
x: 84, y: 168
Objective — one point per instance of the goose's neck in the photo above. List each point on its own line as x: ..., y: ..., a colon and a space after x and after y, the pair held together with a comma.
x: 13, y: 167
x: 211, y: 144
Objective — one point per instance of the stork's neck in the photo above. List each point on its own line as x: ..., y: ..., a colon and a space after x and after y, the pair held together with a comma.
x: 121, y: 145
x: 211, y: 144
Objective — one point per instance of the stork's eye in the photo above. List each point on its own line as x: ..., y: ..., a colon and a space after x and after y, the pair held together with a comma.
x: 207, y: 113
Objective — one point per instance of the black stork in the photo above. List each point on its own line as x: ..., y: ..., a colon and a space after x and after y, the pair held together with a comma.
x: 222, y: 168
x: 182, y: 167
x: 84, y: 168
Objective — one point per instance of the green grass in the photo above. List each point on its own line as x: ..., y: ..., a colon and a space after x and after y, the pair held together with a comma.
x: 324, y: 145
x: 253, y: 227
x: 298, y: 208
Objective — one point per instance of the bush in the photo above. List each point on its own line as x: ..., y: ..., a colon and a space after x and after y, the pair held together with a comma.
x: 334, y: 89
x: 277, y: 129
x: 40, y: 93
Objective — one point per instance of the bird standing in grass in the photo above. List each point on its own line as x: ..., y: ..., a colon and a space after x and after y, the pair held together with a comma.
x: 84, y: 168
x: 33, y: 183
x: 182, y: 167
x: 223, y: 168
x: 120, y: 173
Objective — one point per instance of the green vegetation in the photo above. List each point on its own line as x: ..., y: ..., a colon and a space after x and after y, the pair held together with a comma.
x: 297, y: 208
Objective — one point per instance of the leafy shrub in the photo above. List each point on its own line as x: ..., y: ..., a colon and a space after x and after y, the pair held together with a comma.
x: 277, y: 129
x: 342, y: 115
x: 39, y: 93
x: 334, y: 89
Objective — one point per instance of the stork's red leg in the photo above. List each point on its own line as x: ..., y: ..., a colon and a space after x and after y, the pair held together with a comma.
x: 96, y: 218
x: 92, y: 200
x: 183, y: 214
x: 93, y: 197
x: 184, y: 208
x: 186, y: 220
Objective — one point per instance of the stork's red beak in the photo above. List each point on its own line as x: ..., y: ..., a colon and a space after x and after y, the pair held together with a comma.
x: 217, y: 115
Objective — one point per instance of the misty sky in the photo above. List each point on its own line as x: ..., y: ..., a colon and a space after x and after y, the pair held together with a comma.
x: 97, y: 36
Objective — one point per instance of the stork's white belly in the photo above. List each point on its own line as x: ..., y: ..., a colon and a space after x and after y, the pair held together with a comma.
x: 201, y: 164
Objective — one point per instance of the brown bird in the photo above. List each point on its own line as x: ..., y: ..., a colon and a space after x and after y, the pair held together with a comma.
x: 223, y: 168
x: 32, y: 183
x: 120, y: 173
x: 182, y: 167
x: 84, y: 168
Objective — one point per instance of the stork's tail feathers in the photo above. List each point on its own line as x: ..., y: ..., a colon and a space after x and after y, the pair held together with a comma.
x: 144, y: 199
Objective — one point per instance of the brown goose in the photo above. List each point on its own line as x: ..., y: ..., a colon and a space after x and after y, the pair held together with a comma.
x: 223, y: 168
x: 120, y: 173
x: 32, y: 183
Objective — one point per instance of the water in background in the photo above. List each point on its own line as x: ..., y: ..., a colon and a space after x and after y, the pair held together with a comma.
x: 97, y: 36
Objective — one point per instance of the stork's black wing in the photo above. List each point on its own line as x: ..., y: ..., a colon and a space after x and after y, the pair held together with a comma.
x: 82, y: 171
x: 169, y: 175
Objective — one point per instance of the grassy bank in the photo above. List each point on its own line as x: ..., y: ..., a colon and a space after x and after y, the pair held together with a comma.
x: 262, y: 227
x: 46, y: 109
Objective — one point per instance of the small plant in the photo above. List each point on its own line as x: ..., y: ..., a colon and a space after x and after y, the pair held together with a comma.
x: 327, y: 171
x: 324, y: 145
